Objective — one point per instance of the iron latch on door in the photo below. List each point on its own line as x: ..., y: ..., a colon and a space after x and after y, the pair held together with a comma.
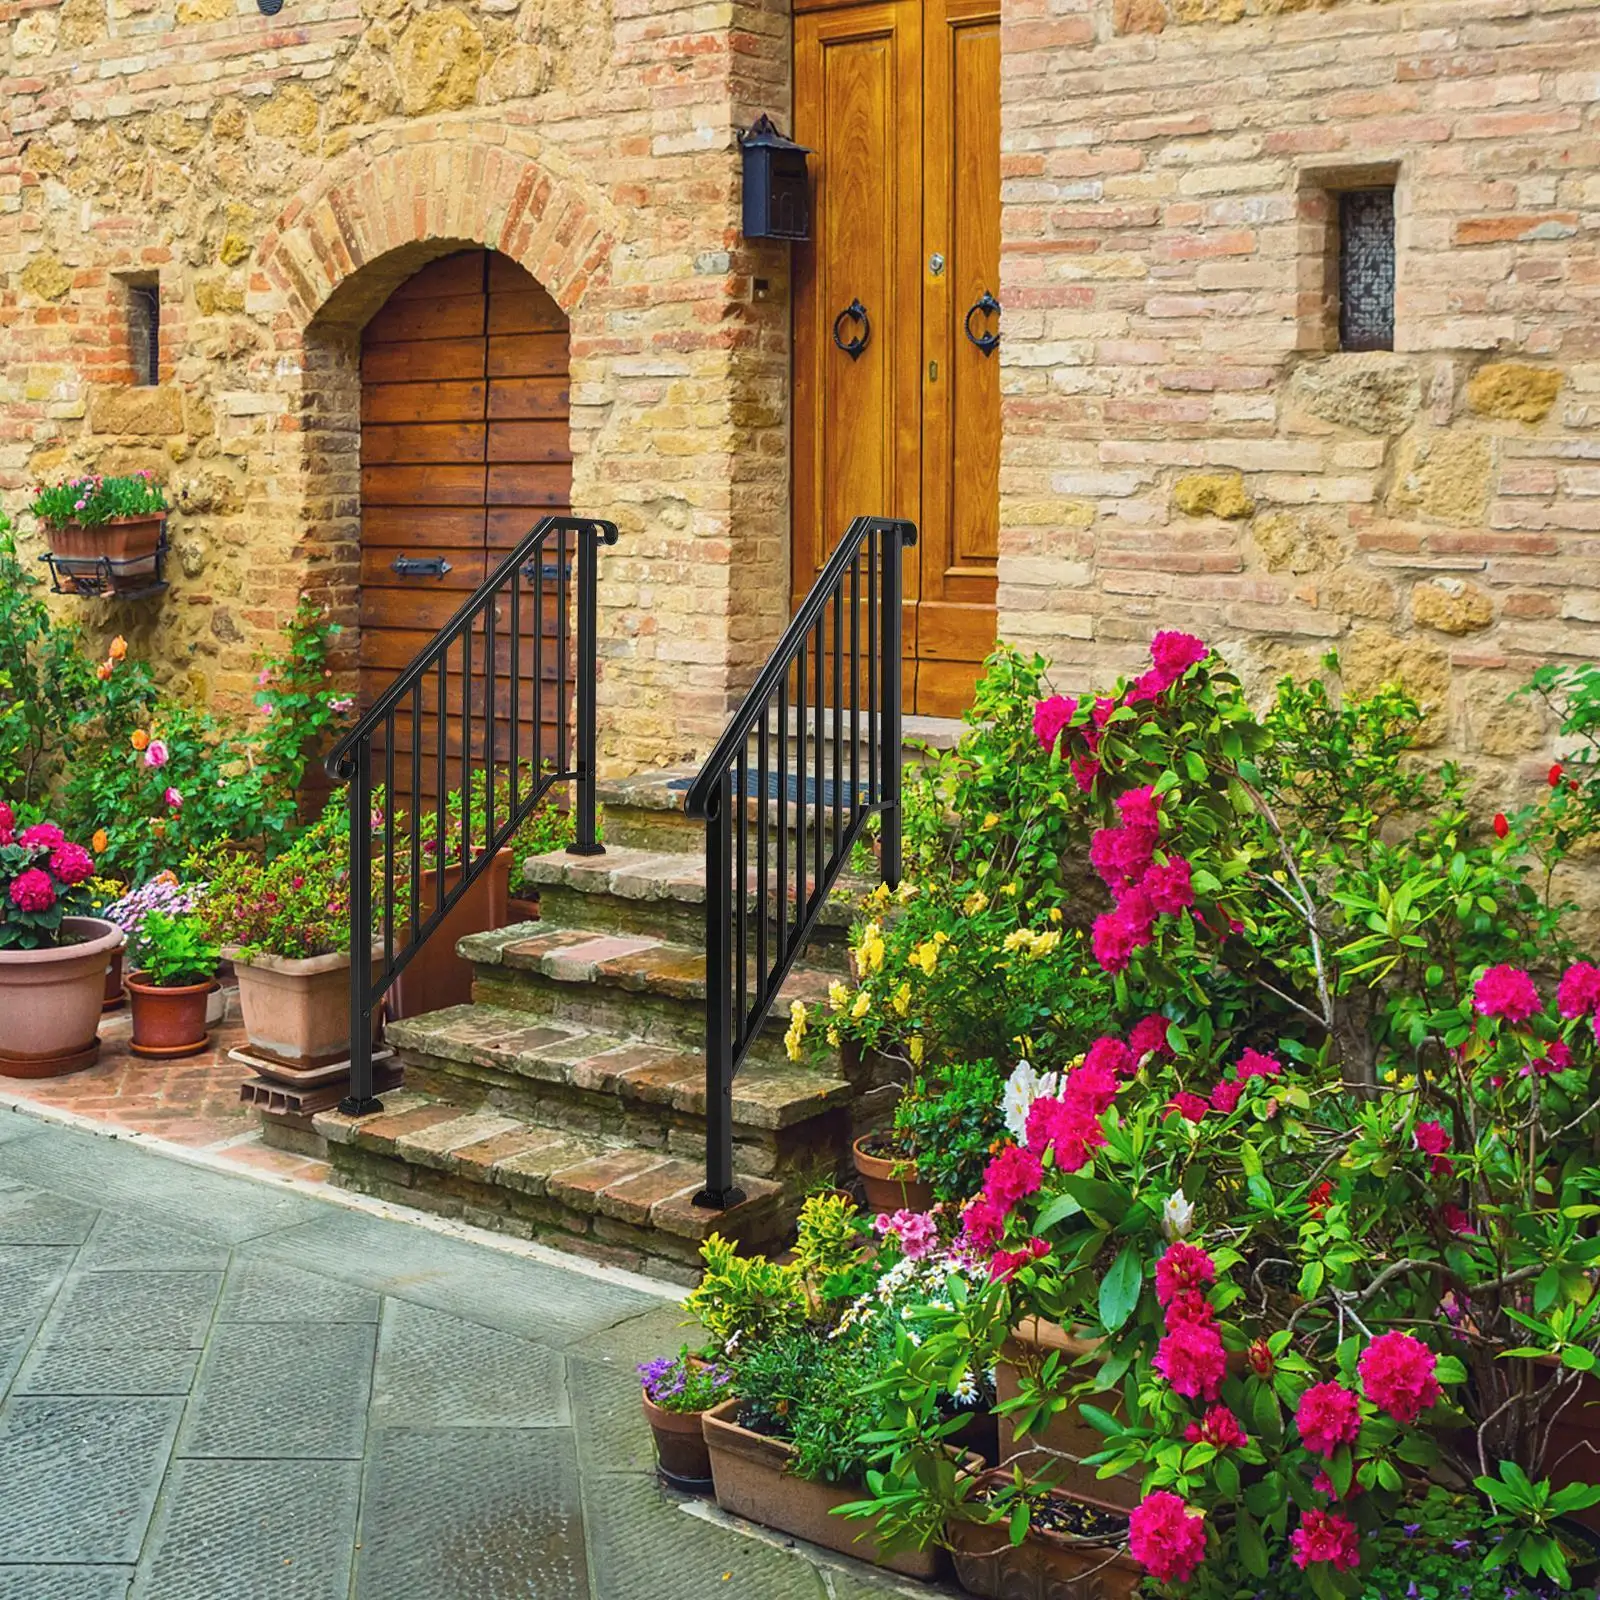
x: 420, y: 566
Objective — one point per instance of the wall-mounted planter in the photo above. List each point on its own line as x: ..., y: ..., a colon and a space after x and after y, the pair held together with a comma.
x: 121, y: 558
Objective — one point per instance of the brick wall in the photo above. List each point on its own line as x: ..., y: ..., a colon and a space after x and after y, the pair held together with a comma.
x: 280, y: 176
x: 1181, y: 450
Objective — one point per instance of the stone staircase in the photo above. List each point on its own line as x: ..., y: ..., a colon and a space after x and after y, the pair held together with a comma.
x: 566, y: 1103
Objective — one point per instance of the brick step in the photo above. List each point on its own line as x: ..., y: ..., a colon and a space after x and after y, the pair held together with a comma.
x: 634, y: 986
x: 663, y: 893
x: 790, y: 1122
x: 581, y: 1192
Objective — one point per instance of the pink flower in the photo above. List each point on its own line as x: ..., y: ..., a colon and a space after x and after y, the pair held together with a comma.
x: 1175, y: 653
x: 1093, y: 1085
x: 916, y: 1231
x: 1149, y: 1036
x: 33, y: 891
x: 1183, y: 1267
x: 1115, y: 937
x: 1579, y: 991
x: 1219, y: 1427
x: 1326, y: 1536
x: 1508, y: 992
x: 1166, y: 1538
x: 1188, y: 1306
x: 1121, y: 855
x: 1225, y: 1097
x: 1140, y: 809
x: 41, y: 836
x: 264, y: 677
x: 1168, y: 886
x: 1456, y: 1220
x: 1432, y: 1137
x: 984, y: 1224
x: 1071, y: 1130
x: 8, y: 823
x: 1085, y: 769
x: 1050, y: 717
x: 1328, y: 1416
x: 71, y: 863
x: 342, y: 705
x: 155, y: 754
x: 1192, y: 1360
x: 1006, y: 1262
x: 1012, y: 1174
x: 1252, y: 1064
x: 173, y: 799
x: 1397, y: 1372
x: 1191, y: 1107
x: 1112, y: 1053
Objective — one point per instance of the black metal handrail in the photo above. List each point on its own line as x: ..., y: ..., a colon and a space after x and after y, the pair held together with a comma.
x: 502, y: 676
x: 757, y: 922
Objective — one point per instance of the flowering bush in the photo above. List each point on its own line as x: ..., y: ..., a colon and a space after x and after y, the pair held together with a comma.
x: 683, y: 1383
x: 44, y: 877
x: 162, y: 893
x: 93, y: 499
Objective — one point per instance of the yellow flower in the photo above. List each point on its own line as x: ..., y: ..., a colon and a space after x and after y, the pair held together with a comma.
x: 926, y: 956
x: 1018, y: 939
x: 916, y: 1050
x: 879, y: 896
x: 1055, y: 913
x: 975, y: 902
x: 902, y: 999
x: 1008, y: 888
x: 1044, y: 943
x: 838, y: 995
x: 906, y: 891
x: 991, y: 821
x: 797, y: 1030
x: 869, y: 951
x: 861, y: 1007
x: 832, y: 1037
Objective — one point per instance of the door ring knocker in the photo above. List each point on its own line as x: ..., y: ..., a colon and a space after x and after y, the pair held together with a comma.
x: 985, y: 305
x: 858, y: 313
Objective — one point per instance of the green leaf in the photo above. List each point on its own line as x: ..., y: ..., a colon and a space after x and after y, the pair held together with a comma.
x: 1578, y: 1358
x: 1119, y: 1289
x: 1252, y: 1547
x: 1057, y: 1210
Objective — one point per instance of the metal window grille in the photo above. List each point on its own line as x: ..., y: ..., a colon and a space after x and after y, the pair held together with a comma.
x: 1366, y: 269
x: 144, y: 332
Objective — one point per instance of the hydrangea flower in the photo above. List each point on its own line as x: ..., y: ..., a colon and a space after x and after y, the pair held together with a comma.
x: 71, y: 863
x: 41, y: 836
x: 1166, y: 1538
x: 32, y: 890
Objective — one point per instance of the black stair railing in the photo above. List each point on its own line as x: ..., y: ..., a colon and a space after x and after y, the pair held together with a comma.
x: 778, y: 832
x: 450, y: 759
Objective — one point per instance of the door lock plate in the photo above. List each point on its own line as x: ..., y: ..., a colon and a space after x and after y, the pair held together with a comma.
x: 936, y: 264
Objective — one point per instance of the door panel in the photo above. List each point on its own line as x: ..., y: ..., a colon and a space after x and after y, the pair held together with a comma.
x: 900, y: 101
x: 858, y: 102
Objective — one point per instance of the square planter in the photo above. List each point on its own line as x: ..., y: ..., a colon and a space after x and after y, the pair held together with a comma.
x: 754, y: 1478
x: 296, y: 1011
x: 436, y: 976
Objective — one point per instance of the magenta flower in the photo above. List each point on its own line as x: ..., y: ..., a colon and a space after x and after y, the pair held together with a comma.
x: 1579, y: 991
x: 1326, y: 1536
x: 1006, y: 1262
x: 41, y: 836
x: 1175, y: 653
x: 1328, y: 1416
x: 1190, y: 1106
x: 1013, y: 1174
x: 1191, y: 1358
x: 1183, y: 1267
x: 1149, y: 1036
x: 8, y: 822
x: 1166, y: 1538
x: 1168, y: 886
x: 984, y: 1224
x: 1252, y: 1064
x: 71, y: 863
x: 33, y: 891
x: 1050, y: 717
x: 1397, y: 1371
x: 1507, y: 992
x: 173, y: 799
x: 155, y: 754
x: 1219, y: 1427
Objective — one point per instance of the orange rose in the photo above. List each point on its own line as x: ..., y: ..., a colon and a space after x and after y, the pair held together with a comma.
x: 139, y: 739
x: 101, y: 841
x: 103, y: 671
x: 119, y: 648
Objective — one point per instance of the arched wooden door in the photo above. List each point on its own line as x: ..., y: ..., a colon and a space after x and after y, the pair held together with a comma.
x: 464, y: 446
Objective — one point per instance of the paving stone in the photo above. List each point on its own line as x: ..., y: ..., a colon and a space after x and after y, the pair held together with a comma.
x: 607, y: 1417
x: 436, y: 1370
x: 268, y: 1291
x: 770, y: 1096
x: 476, y: 1160
x: 385, y: 1131
x: 632, y: 1523
x: 64, y: 1583
x: 65, y: 1369
x: 120, y: 1244
x: 475, y: 1514
x: 13, y: 1125
x: 659, y: 1082
x: 102, y: 1310
x: 661, y: 1330
x: 81, y: 1476
x: 548, y: 1304
x: 282, y: 1391
x: 253, y: 1530
x: 29, y: 1278
x: 593, y: 957
x: 488, y: 949
x: 34, y: 1216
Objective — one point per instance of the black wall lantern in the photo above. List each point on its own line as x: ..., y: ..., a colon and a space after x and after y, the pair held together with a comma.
x: 777, y: 197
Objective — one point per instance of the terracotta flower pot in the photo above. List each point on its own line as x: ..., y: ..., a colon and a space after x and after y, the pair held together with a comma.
x: 1047, y: 1565
x: 680, y: 1446
x: 890, y: 1184
x: 168, y: 1022
x: 436, y: 976
x: 295, y: 1011
x: 115, y: 999
x: 50, y: 1000
x: 754, y: 1478
x: 131, y: 542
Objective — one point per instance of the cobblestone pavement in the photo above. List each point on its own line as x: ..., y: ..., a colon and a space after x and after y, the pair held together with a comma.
x: 218, y: 1388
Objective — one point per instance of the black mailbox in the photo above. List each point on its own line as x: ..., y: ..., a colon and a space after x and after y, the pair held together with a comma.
x: 777, y: 198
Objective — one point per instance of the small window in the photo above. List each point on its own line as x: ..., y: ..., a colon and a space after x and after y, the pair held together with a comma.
x: 144, y: 332
x: 1366, y: 269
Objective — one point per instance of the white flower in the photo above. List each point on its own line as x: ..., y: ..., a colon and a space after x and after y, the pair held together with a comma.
x: 1177, y: 1216
x: 965, y: 1393
x: 1023, y: 1087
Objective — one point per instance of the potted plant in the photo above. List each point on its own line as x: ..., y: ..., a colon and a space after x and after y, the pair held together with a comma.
x: 174, y: 975
x: 95, y: 518
x: 53, y: 957
x: 676, y: 1391
x: 128, y: 908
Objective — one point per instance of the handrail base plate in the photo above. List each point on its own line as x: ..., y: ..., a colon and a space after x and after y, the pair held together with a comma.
x: 354, y: 1106
x: 720, y: 1199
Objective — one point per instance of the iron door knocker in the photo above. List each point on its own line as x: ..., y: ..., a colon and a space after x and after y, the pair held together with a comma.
x: 988, y: 306
x: 858, y: 313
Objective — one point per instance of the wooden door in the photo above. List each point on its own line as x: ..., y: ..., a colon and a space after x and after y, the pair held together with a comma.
x: 464, y: 446
x: 900, y: 101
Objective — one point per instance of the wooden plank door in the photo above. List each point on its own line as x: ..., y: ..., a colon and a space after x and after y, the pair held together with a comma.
x: 960, y: 526
x: 857, y: 424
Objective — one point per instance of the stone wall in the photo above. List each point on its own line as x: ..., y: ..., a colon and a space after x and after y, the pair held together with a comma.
x: 1181, y: 449
x: 280, y: 176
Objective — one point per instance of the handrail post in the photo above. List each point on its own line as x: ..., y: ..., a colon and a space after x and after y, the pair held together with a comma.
x: 359, y: 1100
x: 889, y: 678
x: 719, y: 1192
x: 587, y: 842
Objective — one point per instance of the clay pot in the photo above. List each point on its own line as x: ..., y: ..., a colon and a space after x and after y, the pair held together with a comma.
x: 754, y: 1478
x: 1047, y: 1565
x: 50, y: 1000
x: 890, y: 1184
x: 681, y: 1452
x: 168, y: 1022
x: 130, y: 541
x: 115, y: 999
x: 295, y: 1011
x: 436, y: 976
